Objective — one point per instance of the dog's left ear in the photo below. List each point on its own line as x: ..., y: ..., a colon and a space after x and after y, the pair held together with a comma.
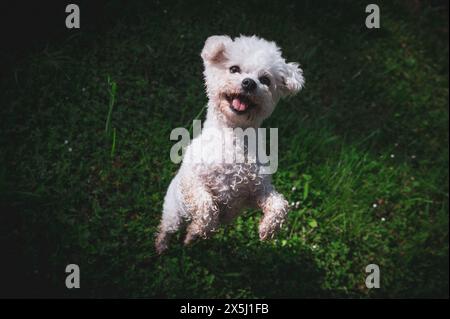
x: 292, y: 79
x: 214, y: 49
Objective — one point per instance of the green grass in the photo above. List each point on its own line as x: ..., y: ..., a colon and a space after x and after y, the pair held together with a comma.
x: 365, y: 144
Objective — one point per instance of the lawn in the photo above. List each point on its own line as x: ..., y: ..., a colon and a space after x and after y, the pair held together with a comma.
x: 363, y: 155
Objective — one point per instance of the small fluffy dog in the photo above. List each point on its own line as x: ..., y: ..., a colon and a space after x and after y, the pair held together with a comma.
x: 245, y: 77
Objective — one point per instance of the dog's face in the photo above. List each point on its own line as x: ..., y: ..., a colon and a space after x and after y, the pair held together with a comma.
x: 246, y: 77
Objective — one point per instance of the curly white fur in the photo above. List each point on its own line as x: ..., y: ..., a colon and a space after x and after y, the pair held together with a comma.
x: 210, y: 191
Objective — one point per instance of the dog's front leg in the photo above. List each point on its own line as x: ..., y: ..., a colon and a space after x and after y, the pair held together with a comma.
x: 275, y: 209
x: 202, y: 209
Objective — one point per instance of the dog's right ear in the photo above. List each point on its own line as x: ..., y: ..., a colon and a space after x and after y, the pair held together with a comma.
x: 214, y: 49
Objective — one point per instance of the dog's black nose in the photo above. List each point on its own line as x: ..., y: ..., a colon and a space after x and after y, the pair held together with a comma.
x: 248, y: 84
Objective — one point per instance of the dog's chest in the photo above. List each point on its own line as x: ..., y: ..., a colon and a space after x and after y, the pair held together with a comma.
x: 227, y: 167
x: 232, y: 182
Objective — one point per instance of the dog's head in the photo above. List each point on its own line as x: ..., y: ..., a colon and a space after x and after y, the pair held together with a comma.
x: 246, y: 77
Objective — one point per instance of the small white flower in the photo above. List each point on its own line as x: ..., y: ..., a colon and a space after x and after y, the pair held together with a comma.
x: 383, y: 219
x: 392, y: 155
x: 374, y: 205
x: 413, y: 156
x: 292, y: 204
x: 70, y: 149
x: 294, y: 189
x: 314, y: 246
x: 66, y: 142
x: 297, y: 204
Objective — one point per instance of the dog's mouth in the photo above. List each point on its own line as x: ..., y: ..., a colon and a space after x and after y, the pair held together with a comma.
x: 239, y: 103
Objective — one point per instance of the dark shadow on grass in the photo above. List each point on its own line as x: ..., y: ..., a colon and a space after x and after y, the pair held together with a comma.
x: 264, y: 270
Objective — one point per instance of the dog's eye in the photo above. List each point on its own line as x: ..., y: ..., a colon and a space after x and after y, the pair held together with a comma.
x: 235, y: 69
x: 264, y: 80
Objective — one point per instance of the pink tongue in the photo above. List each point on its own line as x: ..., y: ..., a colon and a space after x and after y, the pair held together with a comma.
x: 239, y: 105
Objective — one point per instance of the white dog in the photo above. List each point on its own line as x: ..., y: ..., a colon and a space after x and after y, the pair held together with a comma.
x: 245, y: 78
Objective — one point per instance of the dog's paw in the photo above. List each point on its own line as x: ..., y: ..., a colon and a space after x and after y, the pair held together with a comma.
x: 264, y: 234
x: 161, y: 243
x: 266, y: 231
x: 190, y: 238
x: 269, y: 226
